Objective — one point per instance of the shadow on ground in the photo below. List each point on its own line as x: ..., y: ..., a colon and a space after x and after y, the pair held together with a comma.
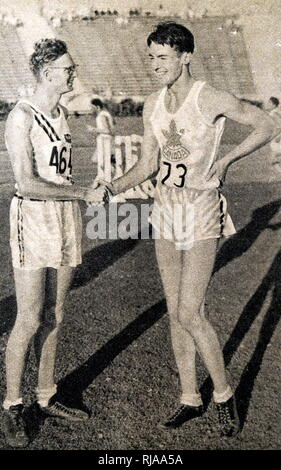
x: 242, y: 241
x: 97, y: 260
x: 77, y: 381
x: 94, y: 263
x: 72, y: 386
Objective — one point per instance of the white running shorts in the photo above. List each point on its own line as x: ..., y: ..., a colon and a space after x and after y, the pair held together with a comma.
x: 188, y: 215
x: 45, y: 233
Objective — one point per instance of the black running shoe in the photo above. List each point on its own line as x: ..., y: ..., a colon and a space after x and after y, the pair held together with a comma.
x: 228, y: 417
x: 14, y: 427
x: 182, y: 414
x: 57, y: 409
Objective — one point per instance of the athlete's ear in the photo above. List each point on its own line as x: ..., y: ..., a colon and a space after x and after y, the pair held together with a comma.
x: 186, y: 58
x: 46, y: 73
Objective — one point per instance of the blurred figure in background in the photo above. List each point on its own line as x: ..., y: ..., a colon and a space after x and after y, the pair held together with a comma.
x: 104, y: 125
x: 273, y: 108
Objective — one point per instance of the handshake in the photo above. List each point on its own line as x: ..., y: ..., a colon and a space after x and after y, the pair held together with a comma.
x: 99, y: 192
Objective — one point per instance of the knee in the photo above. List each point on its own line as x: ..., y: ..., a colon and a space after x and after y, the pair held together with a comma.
x: 26, y: 325
x: 192, y: 319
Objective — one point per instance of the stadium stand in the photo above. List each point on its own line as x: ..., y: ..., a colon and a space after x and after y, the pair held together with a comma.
x: 113, y: 56
x: 14, y: 70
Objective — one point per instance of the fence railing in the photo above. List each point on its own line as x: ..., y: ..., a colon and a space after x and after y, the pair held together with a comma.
x: 116, y: 155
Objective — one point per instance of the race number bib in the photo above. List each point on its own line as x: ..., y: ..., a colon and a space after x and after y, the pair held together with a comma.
x: 61, y: 159
x: 173, y: 174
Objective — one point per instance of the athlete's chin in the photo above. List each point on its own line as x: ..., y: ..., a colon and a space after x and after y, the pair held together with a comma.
x: 68, y: 89
x: 163, y: 79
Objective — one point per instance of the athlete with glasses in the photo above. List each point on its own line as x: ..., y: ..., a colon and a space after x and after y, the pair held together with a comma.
x: 45, y: 232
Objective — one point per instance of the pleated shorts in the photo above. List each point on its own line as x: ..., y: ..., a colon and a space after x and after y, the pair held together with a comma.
x: 45, y: 233
x: 189, y: 215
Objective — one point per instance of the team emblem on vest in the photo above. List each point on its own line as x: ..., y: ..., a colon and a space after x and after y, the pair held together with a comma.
x: 173, y: 150
x: 67, y: 138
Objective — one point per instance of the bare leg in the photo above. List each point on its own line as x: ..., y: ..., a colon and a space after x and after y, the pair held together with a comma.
x: 170, y: 265
x: 196, y: 273
x: 57, y: 287
x: 30, y: 298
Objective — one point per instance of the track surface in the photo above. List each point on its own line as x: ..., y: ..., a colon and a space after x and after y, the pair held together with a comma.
x: 115, y: 352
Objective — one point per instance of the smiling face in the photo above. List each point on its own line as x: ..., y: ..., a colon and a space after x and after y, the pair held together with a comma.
x: 61, y: 73
x: 166, y: 62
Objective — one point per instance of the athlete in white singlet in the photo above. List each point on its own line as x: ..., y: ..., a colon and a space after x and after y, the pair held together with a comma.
x: 45, y: 227
x: 36, y: 242
x: 104, y: 126
x: 185, y: 122
x: 183, y: 168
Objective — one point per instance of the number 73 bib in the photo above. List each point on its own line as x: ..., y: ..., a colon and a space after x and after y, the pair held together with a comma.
x: 173, y: 169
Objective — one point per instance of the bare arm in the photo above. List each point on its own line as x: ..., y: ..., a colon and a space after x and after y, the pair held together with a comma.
x: 218, y: 103
x: 19, y: 146
x: 147, y: 165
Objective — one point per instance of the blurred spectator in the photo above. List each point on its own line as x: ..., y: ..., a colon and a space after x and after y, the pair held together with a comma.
x: 273, y: 108
x: 104, y: 124
x: 8, y: 17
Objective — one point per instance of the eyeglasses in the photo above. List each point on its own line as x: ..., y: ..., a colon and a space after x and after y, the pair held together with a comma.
x: 69, y: 70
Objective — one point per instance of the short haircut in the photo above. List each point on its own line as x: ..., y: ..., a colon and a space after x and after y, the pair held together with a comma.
x: 274, y: 100
x: 46, y: 51
x: 174, y: 35
x: 97, y: 102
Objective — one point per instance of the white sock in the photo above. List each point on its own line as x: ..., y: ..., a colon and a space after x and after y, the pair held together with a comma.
x: 44, y: 395
x: 191, y: 399
x: 8, y: 403
x: 222, y: 397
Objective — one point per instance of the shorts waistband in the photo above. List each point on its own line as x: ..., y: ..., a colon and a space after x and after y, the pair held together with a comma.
x: 40, y: 200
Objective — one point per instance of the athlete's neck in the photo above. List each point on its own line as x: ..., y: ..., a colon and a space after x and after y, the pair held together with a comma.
x: 181, y: 86
x: 46, y: 100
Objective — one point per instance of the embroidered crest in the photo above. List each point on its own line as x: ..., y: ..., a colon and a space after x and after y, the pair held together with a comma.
x: 173, y: 150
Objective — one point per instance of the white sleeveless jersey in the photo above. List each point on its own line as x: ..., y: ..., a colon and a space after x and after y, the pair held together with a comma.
x: 51, y: 142
x: 187, y: 207
x: 101, y: 121
x: 188, y: 143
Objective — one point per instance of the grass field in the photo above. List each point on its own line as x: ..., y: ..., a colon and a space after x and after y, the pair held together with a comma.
x: 115, y: 353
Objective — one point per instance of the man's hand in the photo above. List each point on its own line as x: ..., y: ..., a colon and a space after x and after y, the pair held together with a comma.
x: 218, y: 170
x: 97, y: 195
x: 100, y: 182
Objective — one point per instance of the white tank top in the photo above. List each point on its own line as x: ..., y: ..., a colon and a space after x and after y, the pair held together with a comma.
x: 51, y: 142
x: 101, y: 121
x: 188, y: 142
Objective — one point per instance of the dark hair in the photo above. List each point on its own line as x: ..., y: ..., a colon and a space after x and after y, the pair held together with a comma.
x: 174, y: 35
x: 274, y: 100
x: 97, y: 102
x: 45, y: 51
